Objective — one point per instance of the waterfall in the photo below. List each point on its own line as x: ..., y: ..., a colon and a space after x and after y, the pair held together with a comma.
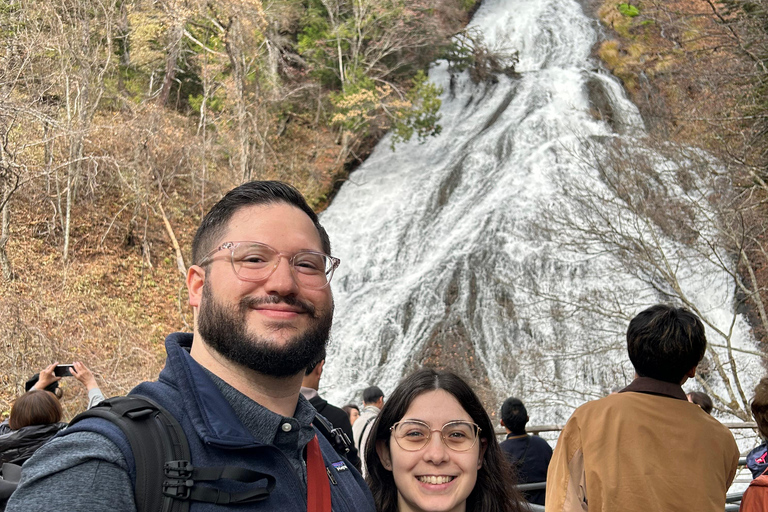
x: 446, y: 259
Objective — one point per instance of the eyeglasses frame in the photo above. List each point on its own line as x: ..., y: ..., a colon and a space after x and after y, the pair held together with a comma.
x: 442, y: 438
x: 232, y: 245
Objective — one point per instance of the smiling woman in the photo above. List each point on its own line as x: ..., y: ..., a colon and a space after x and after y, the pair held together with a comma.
x: 433, y: 449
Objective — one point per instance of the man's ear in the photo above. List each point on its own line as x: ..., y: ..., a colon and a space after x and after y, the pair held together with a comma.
x: 483, y: 447
x: 382, y: 448
x: 502, y: 423
x: 319, y: 368
x: 691, y: 373
x: 195, y: 282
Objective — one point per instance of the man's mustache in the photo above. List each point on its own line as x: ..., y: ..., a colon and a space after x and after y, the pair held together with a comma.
x: 252, y: 302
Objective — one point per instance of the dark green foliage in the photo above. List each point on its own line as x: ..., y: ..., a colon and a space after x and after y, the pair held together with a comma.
x: 421, y: 117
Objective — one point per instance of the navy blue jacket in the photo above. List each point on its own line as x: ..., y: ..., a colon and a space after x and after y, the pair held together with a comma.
x: 216, y: 437
x: 530, y: 456
x: 757, y: 460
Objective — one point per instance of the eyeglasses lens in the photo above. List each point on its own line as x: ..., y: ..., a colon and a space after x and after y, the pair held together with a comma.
x: 254, y: 262
x: 459, y: 436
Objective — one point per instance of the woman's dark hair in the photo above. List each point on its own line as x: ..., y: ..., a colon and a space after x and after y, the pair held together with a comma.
x: 494, y: 491
x: 35, y: 407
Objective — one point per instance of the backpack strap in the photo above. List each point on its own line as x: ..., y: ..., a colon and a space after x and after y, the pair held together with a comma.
x: 362, y: 433
x: 165, y: 477
x: 337, y: 437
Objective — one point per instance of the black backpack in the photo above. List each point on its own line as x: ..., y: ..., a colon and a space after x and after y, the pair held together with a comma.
x: 165, y: 478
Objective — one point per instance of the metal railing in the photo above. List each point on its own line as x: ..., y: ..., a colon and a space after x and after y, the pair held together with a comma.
x: 732, y: 499
x: 536, y: 429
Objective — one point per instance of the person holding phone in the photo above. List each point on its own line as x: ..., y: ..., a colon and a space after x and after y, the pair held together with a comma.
x: 35, y: 418
x: 36, y: 415
x: 48, y: 379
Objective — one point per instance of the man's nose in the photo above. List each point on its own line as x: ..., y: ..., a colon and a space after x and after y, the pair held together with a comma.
x: 282, y: 279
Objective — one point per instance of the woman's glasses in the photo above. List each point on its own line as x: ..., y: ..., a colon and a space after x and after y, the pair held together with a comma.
x: 413, y: 435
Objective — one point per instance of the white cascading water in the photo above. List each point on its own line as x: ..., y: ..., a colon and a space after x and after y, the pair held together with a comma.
x: 441, y: 259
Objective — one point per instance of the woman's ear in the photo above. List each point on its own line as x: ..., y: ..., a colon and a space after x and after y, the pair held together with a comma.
x: 382, y: 448
x: 483, y: 447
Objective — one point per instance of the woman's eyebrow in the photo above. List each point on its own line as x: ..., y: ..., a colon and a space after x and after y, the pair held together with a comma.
x: 444, y: 423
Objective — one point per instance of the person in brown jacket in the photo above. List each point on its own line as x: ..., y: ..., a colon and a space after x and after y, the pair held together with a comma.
x: 646, y: 447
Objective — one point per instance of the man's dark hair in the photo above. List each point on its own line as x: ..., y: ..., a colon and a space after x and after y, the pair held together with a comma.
x: 372, y: 394
x: 665, y: 343
x: 312, y: 365
x: 253, y: 193
x: 514, y: 415
x: 702, y: 400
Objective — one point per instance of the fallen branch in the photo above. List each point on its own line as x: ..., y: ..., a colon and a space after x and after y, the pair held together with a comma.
x: 179, y: 257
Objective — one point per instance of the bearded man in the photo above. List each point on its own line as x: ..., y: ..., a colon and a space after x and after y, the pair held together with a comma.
x: 262, y: 303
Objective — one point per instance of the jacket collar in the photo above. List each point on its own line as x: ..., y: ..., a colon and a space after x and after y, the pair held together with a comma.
x: 209, y: 411
x: 655, y: 387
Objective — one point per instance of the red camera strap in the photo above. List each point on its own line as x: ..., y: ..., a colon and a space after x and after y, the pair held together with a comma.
x: 318, y: 486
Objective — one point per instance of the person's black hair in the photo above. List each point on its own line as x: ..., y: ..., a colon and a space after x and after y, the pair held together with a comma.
x: 253, y: 193
x: 372, y: 394
x: 665, y: 343
x: 702, y: 400
x: 494, y: 490
x: 514, y: 415
x: 311, y: 366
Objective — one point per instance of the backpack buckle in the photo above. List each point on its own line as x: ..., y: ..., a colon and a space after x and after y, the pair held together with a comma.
x: 180, y: 489
x: 178, y: 469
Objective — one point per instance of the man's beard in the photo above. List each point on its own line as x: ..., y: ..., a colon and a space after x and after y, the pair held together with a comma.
x: 225, y: 330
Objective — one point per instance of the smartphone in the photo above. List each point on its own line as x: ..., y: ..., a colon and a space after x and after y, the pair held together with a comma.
x: 62, y: 370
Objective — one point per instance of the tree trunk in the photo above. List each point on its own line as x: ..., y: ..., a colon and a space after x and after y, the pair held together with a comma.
x: 175, y: 34
x: 234, y: 46
x: 5, y: 232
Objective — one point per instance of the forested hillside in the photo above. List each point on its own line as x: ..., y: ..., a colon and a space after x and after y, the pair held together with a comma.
x: 121, y: 121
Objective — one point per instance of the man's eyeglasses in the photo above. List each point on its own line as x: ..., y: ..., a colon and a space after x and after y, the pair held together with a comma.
x: 254, y: 261
x: 413, y: 435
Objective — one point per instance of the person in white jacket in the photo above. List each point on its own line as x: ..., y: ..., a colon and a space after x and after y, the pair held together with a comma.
x: 373, y: 401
